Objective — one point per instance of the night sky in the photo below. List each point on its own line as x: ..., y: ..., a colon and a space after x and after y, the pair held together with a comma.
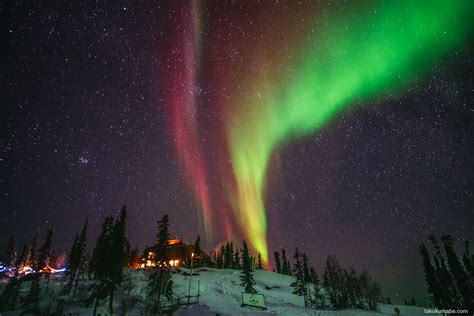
x: 194, y: 110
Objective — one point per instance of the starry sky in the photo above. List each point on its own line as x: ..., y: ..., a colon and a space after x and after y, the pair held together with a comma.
x: 200, y: 110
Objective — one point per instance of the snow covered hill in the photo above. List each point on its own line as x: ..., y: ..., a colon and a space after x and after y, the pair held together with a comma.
x: 220, y: 294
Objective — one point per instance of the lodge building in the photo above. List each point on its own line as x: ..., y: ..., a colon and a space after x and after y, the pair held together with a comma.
x: 177, y: 252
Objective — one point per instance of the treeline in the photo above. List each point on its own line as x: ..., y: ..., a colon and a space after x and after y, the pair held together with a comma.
x: 33, y: 259
x: 95, y: 280
x: 449, y: 277
x: 341, y: 288
x: 103, y: 271
x: 229, y: 258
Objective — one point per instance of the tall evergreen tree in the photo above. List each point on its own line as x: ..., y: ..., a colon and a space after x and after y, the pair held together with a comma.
x: 9, y: 255
x: 228, y: 256
x: 316, y: 295
x: 197, y: 246
x: 286, y: 268
x: 10, y: 294
x: 462, y: 280
x: 197, y: 260
x: 220, y: 258
x: 44, y: 252
x: 117, y: 253
x: 299, y: 284
x: 163, y: 234
x: 449, y: 293
x: 305, y: 268
x: 259, y: 262
x: 432, y: 283
x: 277, y: 262
x: 77, y: 265
x: 159, y: 282
x: 237, y: 259
x: 468, y: 260
x: 354, y: 294
x: 72, y: 263
x: 370, y: 290
x: 99, y: 264
x: 334, y: 283
x: 246, y: 276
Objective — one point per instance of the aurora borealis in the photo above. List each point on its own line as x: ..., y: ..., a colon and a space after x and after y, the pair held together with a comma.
x: 337, y: 61
x: 341, y: 128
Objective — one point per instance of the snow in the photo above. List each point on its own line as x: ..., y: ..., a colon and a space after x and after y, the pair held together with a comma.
x: 220, y: 293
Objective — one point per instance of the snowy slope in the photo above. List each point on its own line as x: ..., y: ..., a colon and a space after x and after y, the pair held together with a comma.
x: 220, y: 293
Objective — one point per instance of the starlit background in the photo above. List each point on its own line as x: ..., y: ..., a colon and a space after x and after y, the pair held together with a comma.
x: 338, y: 128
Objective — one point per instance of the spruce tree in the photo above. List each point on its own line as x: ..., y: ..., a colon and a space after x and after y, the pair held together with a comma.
x: 8, y: 256
x: 449, y: 293
x: 298, y: 285
x: 163, y: 234
x: 197, y: 260
x: 354, y: 294
x: 277, y: 262
x: 259, y: 262
x: 370, y: 290
x: 99, y: 265
x: 117, y: 256
x: 72, y: 263
x: 316, y: 296
x: 286, y: 269
x: 237, y: 265
x: 432, y: 282
x: 197, y: 246
x: 80, y: 258
x: 246, y: 276
x: 305, y: 268
x: 468, y: 260
x: 44, y: 252
x: 334, y: 283
x: 463, y: 283
x: 228, y: 256
x: 10, y: 294
x: 220, y: 258
x: 159, y: 281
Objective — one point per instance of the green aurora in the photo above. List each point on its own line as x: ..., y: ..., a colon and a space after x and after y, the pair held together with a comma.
x: 368, y: 53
